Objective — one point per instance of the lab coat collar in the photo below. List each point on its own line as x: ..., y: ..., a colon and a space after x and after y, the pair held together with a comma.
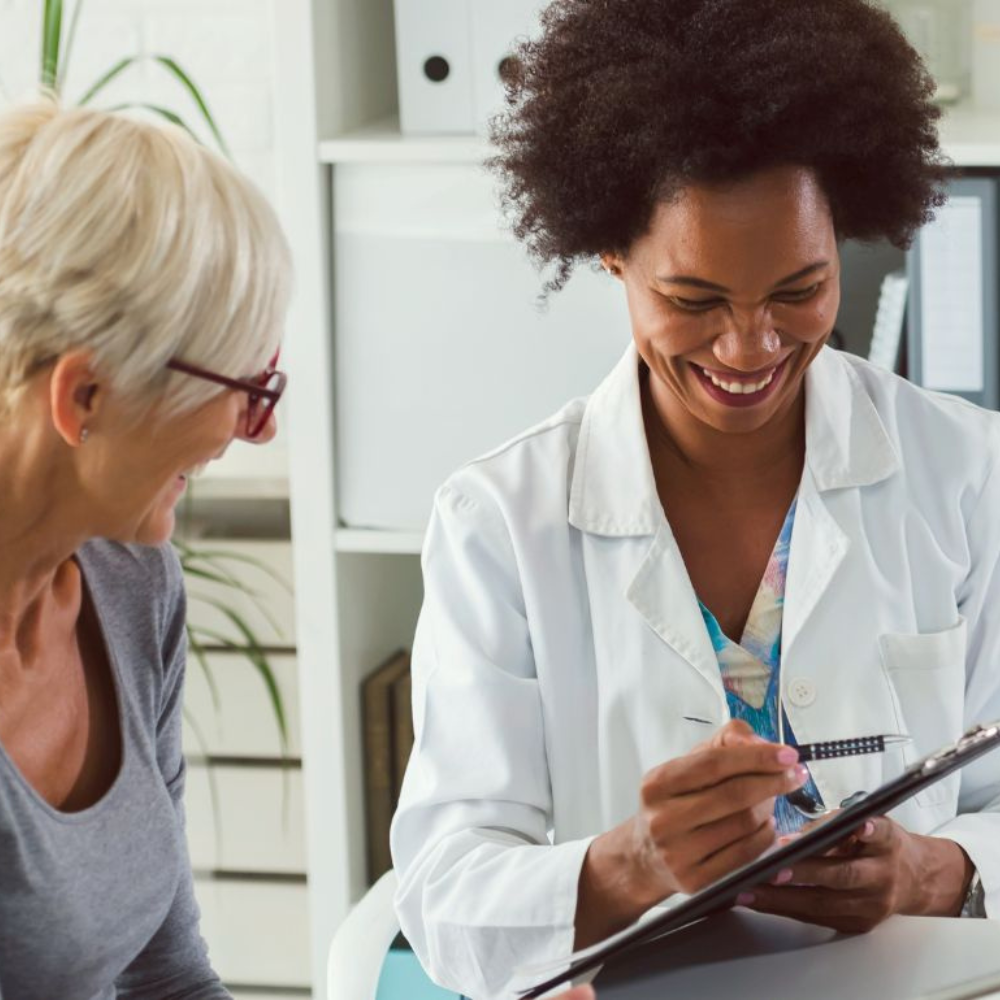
x: 613, y: 492
x: 846, y: 442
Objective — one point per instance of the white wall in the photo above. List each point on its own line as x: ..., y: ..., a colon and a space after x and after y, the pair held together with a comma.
x: 223, y: 44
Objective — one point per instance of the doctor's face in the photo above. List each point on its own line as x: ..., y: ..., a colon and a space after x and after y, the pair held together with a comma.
x: 732, y: 292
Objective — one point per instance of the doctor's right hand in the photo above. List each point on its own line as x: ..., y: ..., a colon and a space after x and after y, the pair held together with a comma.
x: 701, y: 816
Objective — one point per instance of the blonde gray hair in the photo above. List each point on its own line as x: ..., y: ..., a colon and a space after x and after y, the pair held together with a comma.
x: 134, y: 242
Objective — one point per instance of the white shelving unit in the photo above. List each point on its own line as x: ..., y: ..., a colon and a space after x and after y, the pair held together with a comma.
x: 971, y: 137
x: 382, y: 142
x: 388, y: 542
x: 358, y: 591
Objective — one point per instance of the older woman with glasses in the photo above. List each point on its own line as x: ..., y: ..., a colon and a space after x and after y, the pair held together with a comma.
x: 143, y: 282
x: 143, y: 286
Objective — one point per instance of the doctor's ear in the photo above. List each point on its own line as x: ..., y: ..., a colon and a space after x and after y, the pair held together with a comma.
x: 613, y: 264
x: 75, y: 396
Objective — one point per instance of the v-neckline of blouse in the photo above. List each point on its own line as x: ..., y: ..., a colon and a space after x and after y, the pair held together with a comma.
x: 760, y: 641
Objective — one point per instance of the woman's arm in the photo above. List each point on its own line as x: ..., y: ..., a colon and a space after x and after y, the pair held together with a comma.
x: 175, y: 962
x: 701, y: 816
x: 890, y: 870
x: 976, y: 829
x: 481, y: 890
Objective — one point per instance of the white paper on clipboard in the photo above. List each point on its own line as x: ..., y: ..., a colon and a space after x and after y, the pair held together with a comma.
x: 951, y: 289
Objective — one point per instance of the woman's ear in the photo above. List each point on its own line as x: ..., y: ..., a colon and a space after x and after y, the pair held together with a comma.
x: 613, y: 264
x: 74, y: 397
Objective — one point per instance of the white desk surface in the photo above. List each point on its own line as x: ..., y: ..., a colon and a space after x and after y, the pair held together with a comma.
x: 760, y: 957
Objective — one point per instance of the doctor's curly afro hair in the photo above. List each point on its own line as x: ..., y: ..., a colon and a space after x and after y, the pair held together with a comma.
x: 619, y: 104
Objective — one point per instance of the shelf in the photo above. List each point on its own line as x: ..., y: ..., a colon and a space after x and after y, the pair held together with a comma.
x: 367, y: 540
x: 382, y: 142
x: 207, y: 487
x: 970, y: 137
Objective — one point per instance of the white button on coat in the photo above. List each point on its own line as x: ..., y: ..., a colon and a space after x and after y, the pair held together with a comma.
x: 560, y: 646
x: 801, y: 692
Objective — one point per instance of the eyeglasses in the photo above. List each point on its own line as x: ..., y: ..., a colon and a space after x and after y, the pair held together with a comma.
x: 263, y: 390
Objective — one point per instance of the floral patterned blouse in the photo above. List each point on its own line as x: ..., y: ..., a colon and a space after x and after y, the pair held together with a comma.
x: 751, y: 669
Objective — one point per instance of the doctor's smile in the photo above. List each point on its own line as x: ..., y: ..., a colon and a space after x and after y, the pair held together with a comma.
x: 734, y: 389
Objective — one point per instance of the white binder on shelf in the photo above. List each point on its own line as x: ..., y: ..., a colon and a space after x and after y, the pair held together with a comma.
x: 889, y: 320
x: 496, y: 26
x: 450, y: 365
x: 954, y: 323
x: 434, y: 66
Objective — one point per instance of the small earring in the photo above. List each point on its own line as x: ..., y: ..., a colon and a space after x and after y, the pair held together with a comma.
x: 84, y: 434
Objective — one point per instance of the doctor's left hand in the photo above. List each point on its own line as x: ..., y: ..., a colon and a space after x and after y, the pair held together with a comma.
x: 883, y: 869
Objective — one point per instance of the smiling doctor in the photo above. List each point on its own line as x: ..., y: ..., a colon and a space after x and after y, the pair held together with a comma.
x: 739, y: 521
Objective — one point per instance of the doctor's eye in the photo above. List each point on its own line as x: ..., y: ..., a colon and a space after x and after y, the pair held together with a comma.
x: 694, y: 305
x: 797, y: 295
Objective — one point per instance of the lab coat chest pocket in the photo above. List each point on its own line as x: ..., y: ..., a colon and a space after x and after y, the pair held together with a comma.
x: 926, y: 673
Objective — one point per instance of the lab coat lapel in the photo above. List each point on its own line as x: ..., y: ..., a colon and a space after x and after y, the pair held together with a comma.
x: 662, y: 593
x: 817, y: 549
x: 613, y: 494
x: 847, y: 447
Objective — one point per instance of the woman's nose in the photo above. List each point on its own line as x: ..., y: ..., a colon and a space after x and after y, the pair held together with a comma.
x: 266, y: 434
x: 749, y: 344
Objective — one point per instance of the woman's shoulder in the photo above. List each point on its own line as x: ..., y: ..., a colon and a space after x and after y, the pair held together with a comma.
x: 138, y: 591
x: 144, y: 571
x: 537, y: 461
x: 925, y: 423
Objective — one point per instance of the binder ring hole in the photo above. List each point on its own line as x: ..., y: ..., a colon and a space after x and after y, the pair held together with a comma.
x: 507, y: 68
x: 437, y: 69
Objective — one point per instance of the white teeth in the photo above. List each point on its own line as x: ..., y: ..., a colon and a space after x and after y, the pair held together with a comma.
x: 739, y: 388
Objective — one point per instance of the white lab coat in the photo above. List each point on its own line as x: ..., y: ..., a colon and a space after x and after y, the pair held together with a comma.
x: 560, y: 644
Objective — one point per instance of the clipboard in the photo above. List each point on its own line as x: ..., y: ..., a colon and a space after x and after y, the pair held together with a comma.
x: 722, y: 894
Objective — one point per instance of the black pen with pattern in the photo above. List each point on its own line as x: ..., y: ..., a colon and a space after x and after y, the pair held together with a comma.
x: 832, y: 749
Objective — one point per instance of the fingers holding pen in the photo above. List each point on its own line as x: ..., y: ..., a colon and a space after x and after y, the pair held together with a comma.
x: 699, y: 817
x: 710, y: 766
x: 709, y: 812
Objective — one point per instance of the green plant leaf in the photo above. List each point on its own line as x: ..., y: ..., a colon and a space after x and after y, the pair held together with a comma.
x: 156, y: 109
x: 51, y: 38
x: 102, y: 81
x: 189, y: 85
x: 68, y: 47
x: 258, y: 602
x: 214, y: 559
x: 195, y: 565
x: 199, y: 654
x: 220, y: 555
x: 251, y: 649
x: 220, y: 577
x: 213, y: 785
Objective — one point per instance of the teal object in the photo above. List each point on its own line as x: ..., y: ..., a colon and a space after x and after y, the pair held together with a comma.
x: 402, y: 978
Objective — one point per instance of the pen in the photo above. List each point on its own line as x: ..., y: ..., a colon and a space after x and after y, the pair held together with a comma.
x: 831, y: 749
x: 850, y: 748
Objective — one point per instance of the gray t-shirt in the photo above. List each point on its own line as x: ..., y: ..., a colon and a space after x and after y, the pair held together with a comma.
x: 99, y: 904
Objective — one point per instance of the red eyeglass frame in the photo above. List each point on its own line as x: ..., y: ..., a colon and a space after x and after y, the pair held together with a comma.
x: 262, y: 399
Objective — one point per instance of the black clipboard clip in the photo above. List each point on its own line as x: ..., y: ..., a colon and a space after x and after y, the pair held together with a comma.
x: 721, y: 895
x: 977, y: 736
